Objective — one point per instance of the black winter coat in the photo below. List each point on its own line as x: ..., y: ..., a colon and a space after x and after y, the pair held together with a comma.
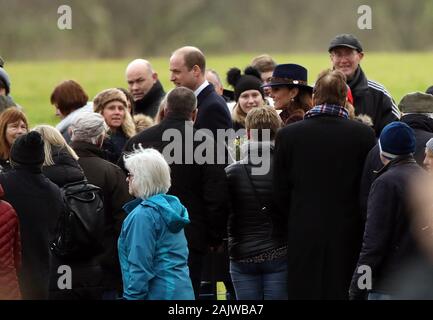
x: 111, y: 179
x: 388, y: 242
x: 202, y: 189
x: 317, y: 174
x: 149, y: 105
x: 252, y: 230
x: 213, y: 112
x: 372, y: 99
x: 423, y: 128
x: 113, y: 146
x: 64, y: 170
x: 38, y: 204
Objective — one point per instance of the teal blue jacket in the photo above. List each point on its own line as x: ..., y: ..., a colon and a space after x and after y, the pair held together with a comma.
x: 153, y: 250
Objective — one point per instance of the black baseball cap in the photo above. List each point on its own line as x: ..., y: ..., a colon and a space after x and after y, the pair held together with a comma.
x: 345, y: 40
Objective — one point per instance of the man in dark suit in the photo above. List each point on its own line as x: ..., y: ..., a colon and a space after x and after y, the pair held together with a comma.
x: 317, y: 172
x: 202, y: 189
x: 187, y: 67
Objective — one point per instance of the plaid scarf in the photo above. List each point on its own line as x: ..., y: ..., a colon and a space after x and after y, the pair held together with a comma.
x: 329, y: 109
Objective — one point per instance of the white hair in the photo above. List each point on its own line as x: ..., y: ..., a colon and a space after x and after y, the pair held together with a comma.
x: 150, y: 172
x: 88, y: 127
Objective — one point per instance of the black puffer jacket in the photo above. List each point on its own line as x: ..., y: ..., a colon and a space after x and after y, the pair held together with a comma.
x: 252, y: 230
x: 65, y: 169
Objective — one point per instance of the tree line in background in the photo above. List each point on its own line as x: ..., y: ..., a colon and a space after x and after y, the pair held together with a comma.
x: 115, y: 28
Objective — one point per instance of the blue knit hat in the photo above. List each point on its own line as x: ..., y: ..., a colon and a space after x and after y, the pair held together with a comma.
x: 396, y: 139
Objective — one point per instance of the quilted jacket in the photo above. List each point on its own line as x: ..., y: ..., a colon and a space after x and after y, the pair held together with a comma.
x: 10, y: 251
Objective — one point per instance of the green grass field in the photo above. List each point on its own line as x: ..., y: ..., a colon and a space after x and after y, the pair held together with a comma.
x: 32, y: 82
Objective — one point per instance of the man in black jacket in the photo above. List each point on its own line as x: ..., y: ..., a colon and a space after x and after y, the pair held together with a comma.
x: 187, y: 67
x: 388, y: 241
x: 416, y: 109
x: 145, y: 87
x: 201, y: 188
x: 370, y: 97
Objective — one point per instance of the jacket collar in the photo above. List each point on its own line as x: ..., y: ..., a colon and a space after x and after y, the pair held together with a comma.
x: 396, y: 162
x: 155, y: 93
x: 85, y: 149
x: 418, y: 121
x: 359, y: 81
x: 204, y: 93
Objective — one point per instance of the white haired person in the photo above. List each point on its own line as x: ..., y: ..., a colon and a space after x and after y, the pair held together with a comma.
x: 153, y: 250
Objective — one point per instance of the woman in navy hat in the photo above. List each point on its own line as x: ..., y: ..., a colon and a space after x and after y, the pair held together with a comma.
x: 290, y: 92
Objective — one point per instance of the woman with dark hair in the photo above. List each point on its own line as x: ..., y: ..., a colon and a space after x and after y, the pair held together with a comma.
x: 13, y: 123
x: 69, y: 99
x: 290, y: 92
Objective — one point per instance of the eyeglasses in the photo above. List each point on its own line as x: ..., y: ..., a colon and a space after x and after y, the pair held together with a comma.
x: 341, y: 55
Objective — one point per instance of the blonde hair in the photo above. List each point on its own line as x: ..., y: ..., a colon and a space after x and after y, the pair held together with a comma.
x: 239, y: 115
x: 142, y: 122
x: 264, y: 118
x: 113, y: 94
x: 53, y: 138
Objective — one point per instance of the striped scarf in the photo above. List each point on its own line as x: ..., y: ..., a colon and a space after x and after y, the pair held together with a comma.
x: 329, y: 109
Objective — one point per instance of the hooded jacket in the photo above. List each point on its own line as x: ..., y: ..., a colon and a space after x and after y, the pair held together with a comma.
x: 153, y: 250
x: 372, y: 99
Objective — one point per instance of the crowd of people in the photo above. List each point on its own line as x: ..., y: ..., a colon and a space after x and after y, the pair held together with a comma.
x: 315, y: 183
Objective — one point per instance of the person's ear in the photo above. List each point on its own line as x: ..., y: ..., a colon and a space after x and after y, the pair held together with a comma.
x: 194, y: 115
x: 294, y: 92
x: 155, y: 77
x: 196, y: 70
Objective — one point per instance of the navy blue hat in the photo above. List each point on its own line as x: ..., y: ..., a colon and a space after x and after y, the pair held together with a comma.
x: 396, y: 139
x: 289, y: 74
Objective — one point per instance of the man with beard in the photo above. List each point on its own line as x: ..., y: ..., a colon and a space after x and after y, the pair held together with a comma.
x: 145, y: 87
